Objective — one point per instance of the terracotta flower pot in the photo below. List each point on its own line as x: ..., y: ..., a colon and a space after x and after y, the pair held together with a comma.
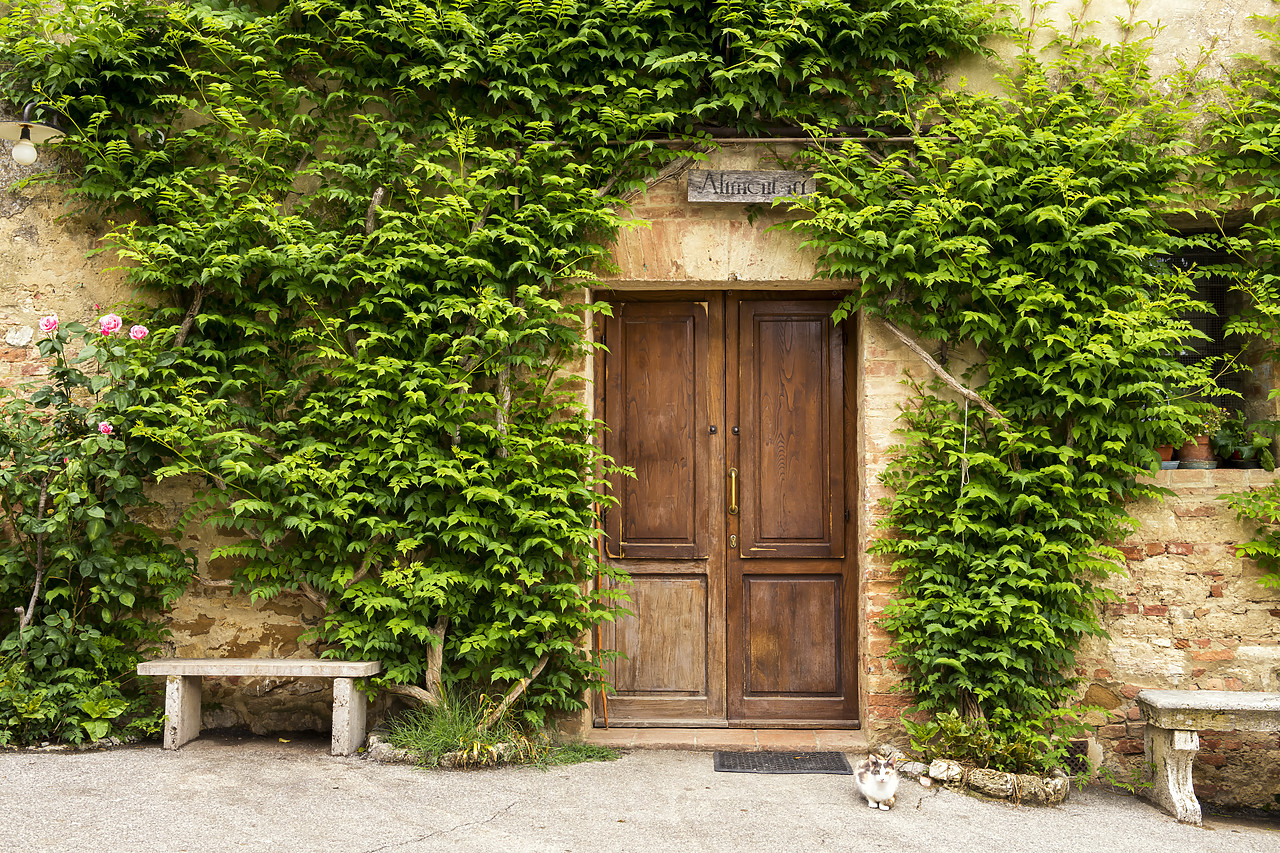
x: 1165, y: 451
x: 1198, y: 452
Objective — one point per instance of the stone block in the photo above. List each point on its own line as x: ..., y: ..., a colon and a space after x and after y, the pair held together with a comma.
x: 1220, y: 710
x: 1129, y: 746
x: 350, y: 708
x: 182, y: 710
x: 1100, y: 696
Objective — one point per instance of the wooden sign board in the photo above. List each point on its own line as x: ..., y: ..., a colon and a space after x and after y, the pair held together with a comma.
x: 748, y: 187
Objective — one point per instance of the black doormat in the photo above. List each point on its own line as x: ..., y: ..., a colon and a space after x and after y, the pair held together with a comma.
x: 783, y: 762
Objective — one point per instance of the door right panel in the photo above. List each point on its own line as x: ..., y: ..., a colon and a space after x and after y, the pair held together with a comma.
x: 790, y: 656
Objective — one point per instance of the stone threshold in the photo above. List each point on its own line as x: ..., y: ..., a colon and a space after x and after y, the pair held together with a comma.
x: 746, y: 740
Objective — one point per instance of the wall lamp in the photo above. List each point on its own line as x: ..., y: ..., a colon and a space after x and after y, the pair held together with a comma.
x: 26, y: 133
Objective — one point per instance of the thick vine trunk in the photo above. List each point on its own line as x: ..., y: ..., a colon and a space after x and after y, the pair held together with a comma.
x: 516, y: 691
x: 25, y: 616
x: 431, y: 696
x: 969, y: 707
x: 197, y: 299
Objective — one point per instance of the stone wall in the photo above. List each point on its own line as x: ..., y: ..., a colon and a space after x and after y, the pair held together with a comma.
x: 1190, y: 615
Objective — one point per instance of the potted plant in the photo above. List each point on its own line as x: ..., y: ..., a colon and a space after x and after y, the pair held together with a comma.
x: 1244, y: 445
x: 1172, y: 440
x: 1197, y: 453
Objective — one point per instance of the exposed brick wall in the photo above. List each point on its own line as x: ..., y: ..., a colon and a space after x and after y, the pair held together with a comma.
x: 881, y: 394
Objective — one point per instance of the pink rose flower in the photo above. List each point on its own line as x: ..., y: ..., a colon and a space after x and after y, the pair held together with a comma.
x: 49, y: 324
x: 110, y: 323
x: 105, y: 428
x: 138, y: 332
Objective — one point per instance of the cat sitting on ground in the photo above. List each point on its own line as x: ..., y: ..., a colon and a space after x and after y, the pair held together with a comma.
x: 877, y: 779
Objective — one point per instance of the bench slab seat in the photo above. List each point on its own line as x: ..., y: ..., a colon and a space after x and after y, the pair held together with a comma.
x: 1174, y: 720
x: 183, y: 692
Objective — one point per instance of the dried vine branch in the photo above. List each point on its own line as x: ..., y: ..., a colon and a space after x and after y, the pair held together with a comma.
x: 951, y: 382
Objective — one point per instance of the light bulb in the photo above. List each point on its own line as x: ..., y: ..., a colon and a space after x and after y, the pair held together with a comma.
x: 24, y: 152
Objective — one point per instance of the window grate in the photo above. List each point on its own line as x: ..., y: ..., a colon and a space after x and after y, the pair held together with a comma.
x: 1214, y: 289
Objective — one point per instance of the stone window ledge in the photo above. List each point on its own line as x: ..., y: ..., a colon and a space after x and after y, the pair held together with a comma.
x: 1221, y: 480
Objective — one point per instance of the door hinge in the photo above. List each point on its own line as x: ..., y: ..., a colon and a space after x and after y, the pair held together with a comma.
x: 846, y: 516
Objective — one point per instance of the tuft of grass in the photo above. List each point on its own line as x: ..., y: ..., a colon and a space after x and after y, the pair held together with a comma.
x: 576, y: 752
x: 451, y: 736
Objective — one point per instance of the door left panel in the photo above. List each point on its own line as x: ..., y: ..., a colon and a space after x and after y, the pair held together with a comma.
x: 659, y: 405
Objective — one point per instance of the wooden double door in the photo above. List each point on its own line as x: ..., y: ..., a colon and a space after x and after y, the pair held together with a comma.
x: 732, y: 412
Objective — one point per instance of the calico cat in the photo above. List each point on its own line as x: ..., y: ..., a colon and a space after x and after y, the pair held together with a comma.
x: 877, y: 779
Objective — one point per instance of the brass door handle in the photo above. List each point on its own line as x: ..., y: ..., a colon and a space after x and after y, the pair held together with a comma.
x: 733, y: 491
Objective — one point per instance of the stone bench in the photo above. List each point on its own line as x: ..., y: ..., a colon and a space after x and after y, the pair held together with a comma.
x: 1174, y: 720
x: 182, y: 692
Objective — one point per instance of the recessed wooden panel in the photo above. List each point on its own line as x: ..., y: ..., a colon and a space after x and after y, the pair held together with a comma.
x: 792, y: 450
x: 793, y: 635
x: 665, y: 640
x: 655, y: 408
x: 790, y: 424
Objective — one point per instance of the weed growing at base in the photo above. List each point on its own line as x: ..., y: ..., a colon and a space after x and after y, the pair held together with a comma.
x: 455, y: 731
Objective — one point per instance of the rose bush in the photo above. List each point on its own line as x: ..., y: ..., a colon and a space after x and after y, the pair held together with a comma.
x: 81, y: 578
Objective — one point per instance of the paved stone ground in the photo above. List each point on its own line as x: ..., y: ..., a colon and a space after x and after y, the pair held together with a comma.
x: 245, y: 794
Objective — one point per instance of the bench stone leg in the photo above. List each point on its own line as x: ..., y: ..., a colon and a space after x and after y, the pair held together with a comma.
x: 1172, y: 753
x: 349, y: 711
x: 182, y: 710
